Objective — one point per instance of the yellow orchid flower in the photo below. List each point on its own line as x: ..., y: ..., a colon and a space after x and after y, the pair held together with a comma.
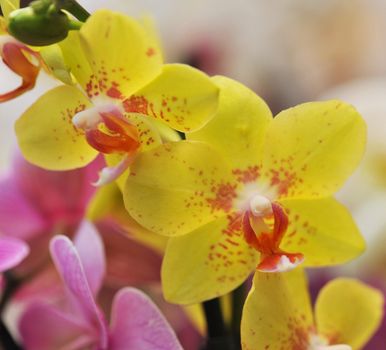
x: 278, y: 315
x: 247, y: 190
x: 122, y: 82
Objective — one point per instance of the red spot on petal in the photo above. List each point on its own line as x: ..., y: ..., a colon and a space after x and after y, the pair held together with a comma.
x: 150, y: 52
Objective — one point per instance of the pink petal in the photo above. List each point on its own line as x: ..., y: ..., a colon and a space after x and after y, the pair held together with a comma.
x: 60, y: 196
x: 136, y: 323
x: 69, y: 266
x: 12, y: 252
x: 186, y: 331
x: 128, y: 262
x: 90, y: 248
x: 45, y: 286
x: 43, y: 327
x: 18, y: 218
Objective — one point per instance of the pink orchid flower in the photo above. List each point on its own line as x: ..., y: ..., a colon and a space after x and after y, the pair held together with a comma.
x: 35, y: 203
x: 12, y: 252
x: 79, y: 323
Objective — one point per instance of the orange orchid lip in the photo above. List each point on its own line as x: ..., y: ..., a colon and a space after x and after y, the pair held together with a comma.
x: 15, y: 56
x: 120, y: 137
x: 267, y: 240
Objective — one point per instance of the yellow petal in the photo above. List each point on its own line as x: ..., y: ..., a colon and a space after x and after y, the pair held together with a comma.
x: 237, y: 130
x: 121, y: 52
x: 107, y: 203
x: 207, y: 263
x: 3, y: 26
x: 178, y: 187
x: 277, y: 313
x: 323, y: 230
x: 348, y: 312
x: 53, y: 58
x: 149, y: 138
x: 7, y: 6
x: 75, y: 58
x: 311, y: 149
x: 181, y: 96
x: 46, y: 135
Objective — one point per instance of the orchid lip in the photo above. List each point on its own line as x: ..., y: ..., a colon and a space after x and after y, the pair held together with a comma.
x: 319, y: 343
x: 22, y: 61
x: 108, y: 131
x: 91, y: 117
x: 280, y: 263
x: 264, y: 226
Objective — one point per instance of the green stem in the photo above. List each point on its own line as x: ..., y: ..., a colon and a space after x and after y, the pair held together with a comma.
x: 75, y: 25
x: 214, y: 318
x: 74, y: 8
x: 218, y: 335
x: 238, y: 298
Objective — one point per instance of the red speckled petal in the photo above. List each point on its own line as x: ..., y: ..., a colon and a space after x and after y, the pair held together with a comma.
x: 122, y: 54
x: 277, y: 313
x: 178, y: 187
x: 46, y: 134
x: 237, y: 130
x: 209, y: 262
x: 322, y: 230
x: 311, y: 149
x: 182, y: 97
x: 348, y: 311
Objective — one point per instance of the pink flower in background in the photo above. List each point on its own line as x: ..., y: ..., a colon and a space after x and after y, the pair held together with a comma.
x: 77, y: 322
x: 35, y: 203
x: 12, y: 252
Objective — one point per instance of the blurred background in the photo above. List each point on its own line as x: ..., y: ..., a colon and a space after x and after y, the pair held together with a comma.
x: 288, y: 52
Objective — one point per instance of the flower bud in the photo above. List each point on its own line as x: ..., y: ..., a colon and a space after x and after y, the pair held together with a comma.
x: 39, y: 25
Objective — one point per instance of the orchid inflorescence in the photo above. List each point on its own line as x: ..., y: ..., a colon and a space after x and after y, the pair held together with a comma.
x: 139, y: 162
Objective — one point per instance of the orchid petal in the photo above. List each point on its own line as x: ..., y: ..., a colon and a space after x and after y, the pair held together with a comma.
x: 237, y: 130
x: 136, y: 323
x: 128, y: 262
x: 91, y: 252
x: 18, y: 217
x: 349, y: 312
x: 107, y: 208
x: 46, y: 134
x: 178, y: 187
x: 7, y: 6
x: 182, y: 97
x: 219, y: 262
x: 60, y: 197
x: 12, y: 252
x: 277, y: 312
x: 44, y: 327
x: 69, y: 265
x: 311, y: 149
x: 123, y: 56
x: 322, y: 230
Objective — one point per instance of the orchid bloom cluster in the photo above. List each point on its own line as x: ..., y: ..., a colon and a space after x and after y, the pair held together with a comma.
x: 131, y: 163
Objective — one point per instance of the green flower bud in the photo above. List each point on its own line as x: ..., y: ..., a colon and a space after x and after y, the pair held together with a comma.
x: 40, y: 24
